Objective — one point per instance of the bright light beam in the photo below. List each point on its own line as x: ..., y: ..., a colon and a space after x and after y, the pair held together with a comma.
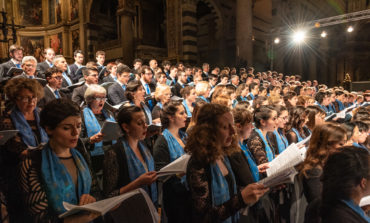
x: 277, y: 41
x: 323, y: 34
x: 299, y: 36
x: 350, y: 29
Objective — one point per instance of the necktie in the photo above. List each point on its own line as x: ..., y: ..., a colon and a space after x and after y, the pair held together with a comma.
x: 50, y: 65
x: 18, y: 65
x: 147, y: 89
x: 69, y: 82
x: 30, y: 77
x: 57, y: 95
x: 124, y: 87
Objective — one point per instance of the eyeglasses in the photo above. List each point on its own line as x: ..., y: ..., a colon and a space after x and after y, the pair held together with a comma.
x: 100, y: 99
x: 59, y: 78
x: 93, y: 75
x: 27, y: 99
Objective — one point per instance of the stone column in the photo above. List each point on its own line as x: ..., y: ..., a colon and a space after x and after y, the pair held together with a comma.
x: 126, y: 14
x: 244, y: 44
x: 189, y: 31
x: 174, y: 45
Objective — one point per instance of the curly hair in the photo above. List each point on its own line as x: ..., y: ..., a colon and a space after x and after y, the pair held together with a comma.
x: 323, y: 138
x: 16, y: 85
x: 202, y: 142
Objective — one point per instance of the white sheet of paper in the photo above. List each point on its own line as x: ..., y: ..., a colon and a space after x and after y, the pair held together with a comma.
x: 177, y: 166
x: 365, y: 201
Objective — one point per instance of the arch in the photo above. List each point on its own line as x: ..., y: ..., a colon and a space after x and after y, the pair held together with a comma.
x: 217, y: 14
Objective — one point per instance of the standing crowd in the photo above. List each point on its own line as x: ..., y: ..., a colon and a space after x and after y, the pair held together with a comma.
x: 232, y: 122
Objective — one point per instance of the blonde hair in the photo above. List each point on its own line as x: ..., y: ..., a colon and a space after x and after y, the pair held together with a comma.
x: 201, y: 88
x: 159, y: 91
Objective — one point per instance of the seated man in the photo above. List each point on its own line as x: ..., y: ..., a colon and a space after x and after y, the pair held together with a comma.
x: 116, y: 92
x: 42, y: 67
x: 28, y: 66
x: 16, y: 55
x: 54, y: 80
x: 91, y: 77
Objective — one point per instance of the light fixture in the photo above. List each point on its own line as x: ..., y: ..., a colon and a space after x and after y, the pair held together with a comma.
x: 350, y: 29
x: 323, y: 34
x: 299, y: 36
x: 277, y: 41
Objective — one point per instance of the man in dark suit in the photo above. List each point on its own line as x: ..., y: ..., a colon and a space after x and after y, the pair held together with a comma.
x: 61, y: 63
x: 29, y: 64
x: 54, y: 80
x: 91, y: 77
x: 180, y: 84
x: 16, y: 55
x: 205, y: 73
x: 116, y: 92
x: 112, y: 70
x: 43, y: 66
x: 146, y: 75
x: 79, y: 59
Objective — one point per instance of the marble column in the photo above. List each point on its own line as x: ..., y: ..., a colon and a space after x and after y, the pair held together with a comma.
x: 244, y: 28
x: 126, y: 13
x: 189, y: 31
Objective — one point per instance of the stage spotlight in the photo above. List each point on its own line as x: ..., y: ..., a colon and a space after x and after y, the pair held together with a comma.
x: 350, y: 29
x: 323, y: 34
x: 277, y: 41
x: 299, y: 36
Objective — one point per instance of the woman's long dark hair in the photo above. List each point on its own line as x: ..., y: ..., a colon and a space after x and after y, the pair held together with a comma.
x: 342, y: 172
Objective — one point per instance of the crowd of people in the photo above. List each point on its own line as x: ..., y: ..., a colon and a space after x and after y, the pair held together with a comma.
x: 232, y: 122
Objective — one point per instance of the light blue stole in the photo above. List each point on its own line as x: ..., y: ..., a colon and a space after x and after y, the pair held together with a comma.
x: 136, y: 168
x: 203, y: 98
x: 269, y: 152
x: 340, y: 105
x: 299, y: 137
x: 252, y: 164
x: 355, y: 144
x: 282, y: 142
x: 59, y: 184
x: 220, y: 187
x: 148, y: 113
x: 251, y: 95
x: 356, y: 209
x: 93, y: 127
x: 21, y: 124
x: 188, y: 112
x: 174, y: 147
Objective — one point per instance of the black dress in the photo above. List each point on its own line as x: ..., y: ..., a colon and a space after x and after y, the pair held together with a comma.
x: 176, y: 197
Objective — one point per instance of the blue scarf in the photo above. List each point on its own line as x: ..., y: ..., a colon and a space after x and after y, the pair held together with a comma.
x: 299, y: 138
x: 282, y: 142
x: 269, y: 153
x: 331, y: 108
x: 252, y: 164
x: 21, y: 124
x: 174, y: 147
x: 323, y: 108
x: 188, y: 112
x: 148, y: 113
x: 203, y: 98
x: 220, y: 187
x: 356, y: 209
x: 235, y: 102
x: 160, y: 105
x: 251, y: 95
x: 355, y: 144
x: 59, y: 184
x: 93, y: 127
x: 340, y: 105
x: 136, y: 168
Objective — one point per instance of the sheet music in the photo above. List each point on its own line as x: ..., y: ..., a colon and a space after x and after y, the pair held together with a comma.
x: 365, y: 201
x: 175, y: 167
x: 290, y: 157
